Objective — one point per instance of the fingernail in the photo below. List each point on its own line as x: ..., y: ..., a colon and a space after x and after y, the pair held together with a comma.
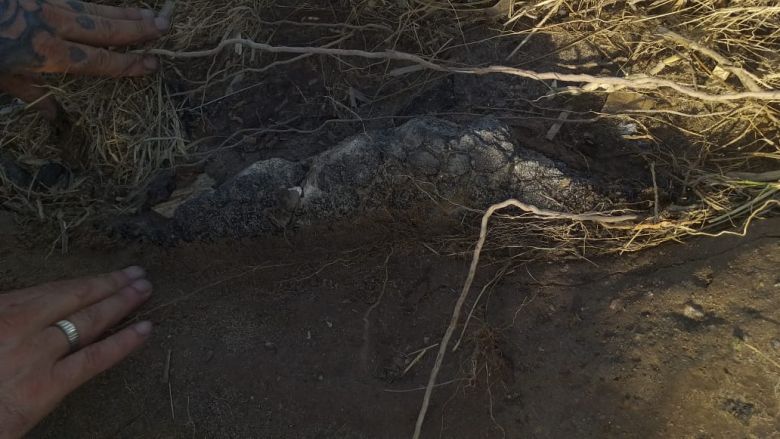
x: 134, y: 272
x: 143, y: 328
x: 162, y: 23
x: 142, y: 286
x: 151, y: 63
x: 147, y: 13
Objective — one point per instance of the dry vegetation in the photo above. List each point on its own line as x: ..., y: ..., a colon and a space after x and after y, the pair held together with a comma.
x: 710, y: 68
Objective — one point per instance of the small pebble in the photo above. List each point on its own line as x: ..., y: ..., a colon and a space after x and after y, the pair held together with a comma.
x: 693, y: 312
x: 775, y: 344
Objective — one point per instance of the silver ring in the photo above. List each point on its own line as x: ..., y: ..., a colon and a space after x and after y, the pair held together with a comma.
x: 70, y: 332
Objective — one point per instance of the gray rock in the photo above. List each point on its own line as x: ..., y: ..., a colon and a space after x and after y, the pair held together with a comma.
x: 353, y: 163
x: 487, y: 158
x: 472, y: 165
x: 247, y: 204
x: 475, y: 165
x: 424, y: 162
x: 416, y: 133
x: 741, y: 410
x: 458, y: 164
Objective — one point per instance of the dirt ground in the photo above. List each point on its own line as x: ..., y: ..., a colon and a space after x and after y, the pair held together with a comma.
x: 273, y: 337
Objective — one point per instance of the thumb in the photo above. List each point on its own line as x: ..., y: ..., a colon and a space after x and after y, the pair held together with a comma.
x: 32, y: 91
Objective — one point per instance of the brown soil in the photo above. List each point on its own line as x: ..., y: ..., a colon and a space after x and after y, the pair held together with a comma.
x: 267, y: 338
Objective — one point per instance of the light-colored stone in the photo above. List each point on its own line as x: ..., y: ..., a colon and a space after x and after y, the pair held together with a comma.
x: 693, y: 312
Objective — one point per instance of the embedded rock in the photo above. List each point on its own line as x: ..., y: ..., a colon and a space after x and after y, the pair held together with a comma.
x: 396, y: 170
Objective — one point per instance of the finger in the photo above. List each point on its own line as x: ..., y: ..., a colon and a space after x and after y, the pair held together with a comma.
x: 103, y: 11
x: 31, y: 91
x: 66, y: 57
x: 93, y: 321
x: 99, y: 31
x: 57, y: 300
x: 81, y: 366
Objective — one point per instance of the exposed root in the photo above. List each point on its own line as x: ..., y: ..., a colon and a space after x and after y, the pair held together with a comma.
x: 639, y: 82
x: 470, y: 279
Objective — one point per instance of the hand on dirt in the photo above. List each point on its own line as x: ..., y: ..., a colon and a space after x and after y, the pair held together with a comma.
x: 69, y: 36
x: 37, y: 366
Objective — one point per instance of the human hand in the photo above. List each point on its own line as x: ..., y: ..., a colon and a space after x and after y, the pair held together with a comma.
x: 38, y: 368
x: 68, y: 36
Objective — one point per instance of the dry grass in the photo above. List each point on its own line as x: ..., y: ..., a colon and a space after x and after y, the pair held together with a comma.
x: 677, y: 53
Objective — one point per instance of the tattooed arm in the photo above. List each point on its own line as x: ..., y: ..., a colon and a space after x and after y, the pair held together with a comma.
x: 67, y: 36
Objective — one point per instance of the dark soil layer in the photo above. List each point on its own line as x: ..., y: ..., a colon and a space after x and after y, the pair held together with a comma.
x: 267, y: 338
